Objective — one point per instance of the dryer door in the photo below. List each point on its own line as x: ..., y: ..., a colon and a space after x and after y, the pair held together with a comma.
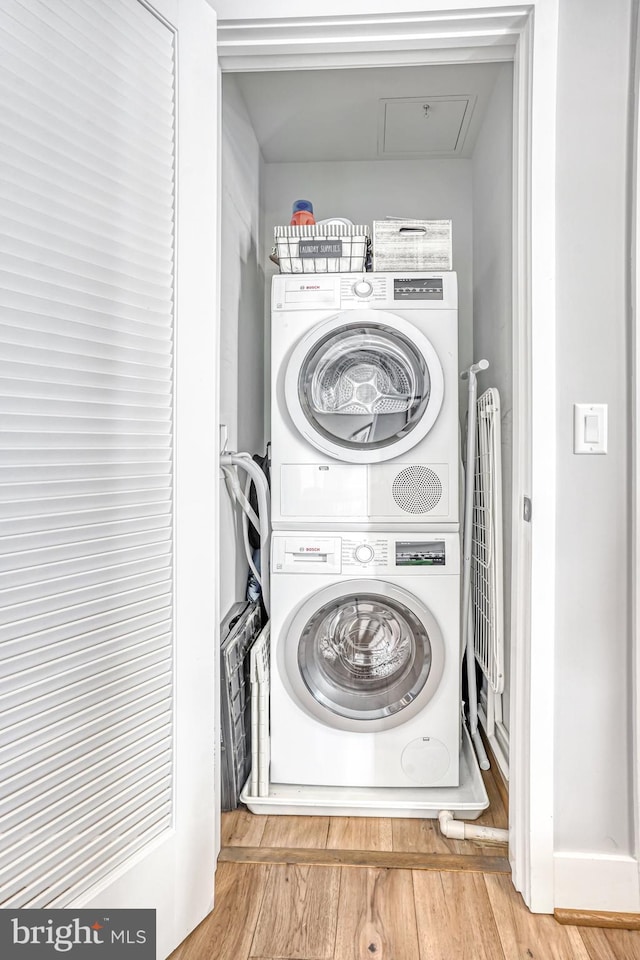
x: 364, y: 389
x: 363, y: 655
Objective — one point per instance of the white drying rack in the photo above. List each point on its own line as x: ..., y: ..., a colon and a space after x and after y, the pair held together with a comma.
x: 467, y: 547
x: 260, y: 676
x: 482, y: 590
x: 486, y: 558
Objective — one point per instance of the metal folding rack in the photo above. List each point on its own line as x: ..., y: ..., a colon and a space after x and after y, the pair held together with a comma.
x: 239, y: 631
x: 486, y: 554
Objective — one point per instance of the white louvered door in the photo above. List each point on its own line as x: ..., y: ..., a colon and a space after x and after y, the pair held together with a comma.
x: 107, y: 456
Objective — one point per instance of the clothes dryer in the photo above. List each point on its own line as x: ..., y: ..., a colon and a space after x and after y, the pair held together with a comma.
x: 364, y: 405
x: 365, y: 663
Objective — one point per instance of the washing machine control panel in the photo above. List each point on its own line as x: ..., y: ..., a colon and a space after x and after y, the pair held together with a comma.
x: 305, y: 554
x: 399, y: 554
x: 426, y: 552
x: 366, y: 552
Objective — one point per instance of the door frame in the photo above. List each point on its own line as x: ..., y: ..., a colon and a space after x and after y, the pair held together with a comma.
x: 470, y: 32
x: 634, y: 302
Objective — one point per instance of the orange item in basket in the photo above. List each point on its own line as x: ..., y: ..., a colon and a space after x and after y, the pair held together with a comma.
x: 302, y: 214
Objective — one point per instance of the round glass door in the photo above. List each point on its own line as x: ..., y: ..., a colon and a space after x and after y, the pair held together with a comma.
x: 364, y: 654
x: 364, y: 391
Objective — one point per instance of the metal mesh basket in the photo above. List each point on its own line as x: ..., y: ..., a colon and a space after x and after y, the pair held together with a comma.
x: 321, y: 248
x: 365, y: 383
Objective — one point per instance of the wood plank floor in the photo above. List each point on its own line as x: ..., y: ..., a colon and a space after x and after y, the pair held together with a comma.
x: 243, y: 829
x: 284, y: 893
x: 294, y: 912
x: 315, y: 857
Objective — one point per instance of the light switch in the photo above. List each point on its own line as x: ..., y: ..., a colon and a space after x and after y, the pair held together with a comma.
x: 591, y: 432
x: 590, y: 428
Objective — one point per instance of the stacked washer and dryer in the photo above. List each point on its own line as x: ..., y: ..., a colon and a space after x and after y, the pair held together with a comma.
x: 365, y: 586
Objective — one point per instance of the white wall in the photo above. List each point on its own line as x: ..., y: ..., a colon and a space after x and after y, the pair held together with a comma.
x: 492, y: 292
x: 242, y: 312
x: 364, y: 191
x: 593, y: 720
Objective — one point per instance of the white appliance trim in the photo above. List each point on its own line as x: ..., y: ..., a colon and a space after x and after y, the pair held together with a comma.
x: 457, y: 32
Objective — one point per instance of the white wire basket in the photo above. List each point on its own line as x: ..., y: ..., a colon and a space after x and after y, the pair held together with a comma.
x: 321, y: 248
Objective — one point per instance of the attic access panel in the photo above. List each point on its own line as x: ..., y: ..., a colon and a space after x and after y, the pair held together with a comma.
x: 424, y: 126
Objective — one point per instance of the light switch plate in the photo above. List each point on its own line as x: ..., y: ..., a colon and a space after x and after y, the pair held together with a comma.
x: 590, y: 428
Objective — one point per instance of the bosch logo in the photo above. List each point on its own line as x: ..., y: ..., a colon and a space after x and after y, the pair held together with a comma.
x: 312, y: 549
x: 309, y: 286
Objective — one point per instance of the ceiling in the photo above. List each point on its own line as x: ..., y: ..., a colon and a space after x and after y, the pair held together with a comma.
x: 368, y: 113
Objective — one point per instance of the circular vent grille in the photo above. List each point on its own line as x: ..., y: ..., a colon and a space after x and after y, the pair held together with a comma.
x: 417, y: 489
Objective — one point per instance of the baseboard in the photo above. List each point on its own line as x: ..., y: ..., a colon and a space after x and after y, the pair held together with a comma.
x: 596, y: 883
x: 595, y: 918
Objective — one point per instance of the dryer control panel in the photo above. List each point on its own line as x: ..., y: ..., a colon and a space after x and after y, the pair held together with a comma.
x: 389, y: 290
x: 365, y: 288
x: 327, y: 291
x: 417, y: 288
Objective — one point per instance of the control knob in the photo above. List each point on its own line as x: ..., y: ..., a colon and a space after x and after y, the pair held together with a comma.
x: 363, y: 288
x: 364, y: 553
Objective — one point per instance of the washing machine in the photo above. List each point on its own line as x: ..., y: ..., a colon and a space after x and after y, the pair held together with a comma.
x: 364, y: 401
x: 365, y: 659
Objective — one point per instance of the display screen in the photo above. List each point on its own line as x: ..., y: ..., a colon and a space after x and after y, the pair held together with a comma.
x: 414, y: 288
x: 420, y: 553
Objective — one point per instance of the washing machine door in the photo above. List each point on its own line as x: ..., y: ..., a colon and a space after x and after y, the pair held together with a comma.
x: 362, y: 655
x: 364, y: 390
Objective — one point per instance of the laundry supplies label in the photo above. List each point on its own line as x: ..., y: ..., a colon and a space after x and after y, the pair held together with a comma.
x: 78, y: 934
x: 320, y: 248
